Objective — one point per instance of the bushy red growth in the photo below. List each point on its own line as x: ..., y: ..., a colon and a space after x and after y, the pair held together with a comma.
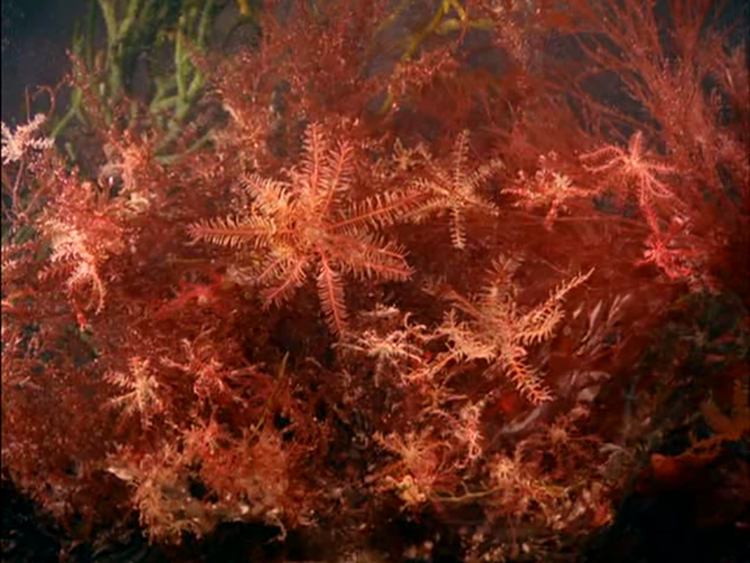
x: 216, y: 334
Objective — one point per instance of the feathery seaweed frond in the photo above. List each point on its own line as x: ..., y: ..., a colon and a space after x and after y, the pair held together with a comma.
x: 452, y: 187
x: 499, y: 331
x: 549, y: 188
x: 233, y: 232
x: 141, y: 391
x: 634, y: 170
x: 300, y: 225
x: 16, y: 143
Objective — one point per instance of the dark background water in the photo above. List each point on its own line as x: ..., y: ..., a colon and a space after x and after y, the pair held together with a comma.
x: 35, y: 37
